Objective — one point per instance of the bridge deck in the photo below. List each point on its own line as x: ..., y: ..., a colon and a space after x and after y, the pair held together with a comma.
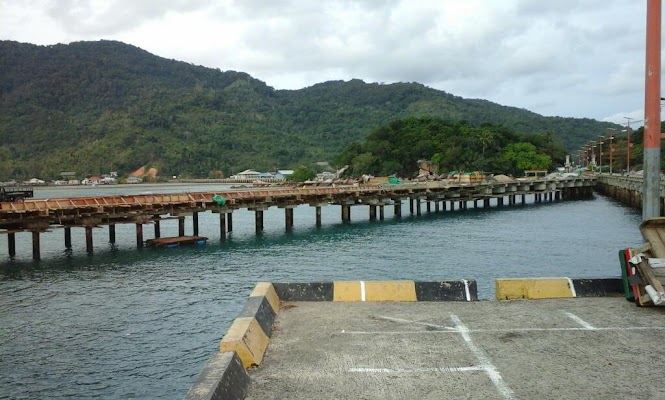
x: 40, y: 214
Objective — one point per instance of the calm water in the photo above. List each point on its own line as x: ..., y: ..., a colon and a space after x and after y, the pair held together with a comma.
x: 127, y: 323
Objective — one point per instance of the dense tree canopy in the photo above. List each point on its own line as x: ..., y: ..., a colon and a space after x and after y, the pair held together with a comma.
x: 460, y: 146
x: 94, y: 107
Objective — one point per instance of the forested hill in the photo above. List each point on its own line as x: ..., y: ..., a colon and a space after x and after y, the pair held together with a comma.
x: 93, y: 107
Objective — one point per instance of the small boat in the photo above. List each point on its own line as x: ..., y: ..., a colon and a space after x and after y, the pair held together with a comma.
x: 176, y: 241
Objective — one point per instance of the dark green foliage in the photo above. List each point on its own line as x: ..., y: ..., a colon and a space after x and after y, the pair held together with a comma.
x: 460, y: 146
x: 94, y: 107
x: 302, y: 174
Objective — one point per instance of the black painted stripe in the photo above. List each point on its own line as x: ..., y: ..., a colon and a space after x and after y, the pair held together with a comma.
x: 259, y: 308
x: 304, y: 291
x: 446, y: 291
x: 222, y: 378
x: 597, y: 287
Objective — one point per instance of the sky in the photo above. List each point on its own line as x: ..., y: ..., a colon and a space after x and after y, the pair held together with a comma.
x: 569, y: 58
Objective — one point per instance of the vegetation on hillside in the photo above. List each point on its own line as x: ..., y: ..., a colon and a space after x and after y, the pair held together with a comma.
x: 94, y: 107
x: 452, y: 146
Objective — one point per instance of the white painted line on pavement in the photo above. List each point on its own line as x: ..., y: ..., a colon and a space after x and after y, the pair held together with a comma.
x: 415, y: 370
x: 483, y: 359
x: 362, y: 290
x: 452, y: 330
x: 572, y: 287
x: 579, y: 320
x: 466, y: 290
x: 406, y: 321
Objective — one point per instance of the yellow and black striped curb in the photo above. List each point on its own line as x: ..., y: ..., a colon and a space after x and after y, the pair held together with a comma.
x: 223, y: 377
x: 246, y: 341
x: 457, y: 290
x: 554, y: 288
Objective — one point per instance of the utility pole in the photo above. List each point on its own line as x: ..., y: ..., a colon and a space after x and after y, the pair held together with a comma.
x: 628, y: 145
x: 651, y: 174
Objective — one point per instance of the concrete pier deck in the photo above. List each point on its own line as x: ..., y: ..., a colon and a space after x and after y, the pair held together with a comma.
x: 521, y: 349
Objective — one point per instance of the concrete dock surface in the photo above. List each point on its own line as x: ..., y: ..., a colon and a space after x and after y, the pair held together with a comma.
x: 583, y: 348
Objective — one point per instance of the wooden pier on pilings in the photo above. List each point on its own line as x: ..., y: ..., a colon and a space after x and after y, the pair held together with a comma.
x: 35, y: 216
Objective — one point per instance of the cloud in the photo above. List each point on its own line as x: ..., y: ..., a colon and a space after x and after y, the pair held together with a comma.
x: 564, y: 57
x: 108, y: 17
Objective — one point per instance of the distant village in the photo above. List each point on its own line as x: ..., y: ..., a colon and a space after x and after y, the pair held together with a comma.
x: 112, y: 178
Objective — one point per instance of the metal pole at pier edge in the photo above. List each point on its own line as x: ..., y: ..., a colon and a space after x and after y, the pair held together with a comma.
x: 651, y: 170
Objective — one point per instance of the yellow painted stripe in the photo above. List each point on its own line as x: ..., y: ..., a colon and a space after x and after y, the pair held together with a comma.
x: 535, y: 288
x: 346, y: 291
x: 247, y: 339
x: 390, y: 291
x: 268, y: 290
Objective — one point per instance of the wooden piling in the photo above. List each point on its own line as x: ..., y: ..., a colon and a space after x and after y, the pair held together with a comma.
x: 181, y: 226
x: 158, y: 231
x: 258, y: 219
x: 36, y: 251
x: 288, y: 217
x: 381, y: 213
x: 11, y: 244
x: 195, y: 223
x: 139, y: 235
x: 372, y: 212
x: 222, y: 226
x: 411, y: 205
x: 429, y: 207
x: 346, y: 213
x: 229, y: 221
x: 398, y: 208
x: 68, y: 237
x: 318, y: 216
x: 112, y: 233
x: 418, y: 212
x: 88, y: 239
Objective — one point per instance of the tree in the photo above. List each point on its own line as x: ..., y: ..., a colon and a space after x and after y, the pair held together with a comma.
x: 302, y: 174
x: 523, y: 156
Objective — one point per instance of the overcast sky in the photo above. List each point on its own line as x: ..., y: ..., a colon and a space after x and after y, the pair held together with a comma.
x: 572, y: 58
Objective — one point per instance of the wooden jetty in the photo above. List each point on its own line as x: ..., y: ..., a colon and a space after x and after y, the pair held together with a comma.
x: 176, y: 241
x: 40, y: 215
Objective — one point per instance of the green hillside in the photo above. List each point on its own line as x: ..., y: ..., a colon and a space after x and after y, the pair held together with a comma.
x: 94, y: 107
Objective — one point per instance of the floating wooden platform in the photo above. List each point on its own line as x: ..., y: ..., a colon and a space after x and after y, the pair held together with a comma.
x: 176, y: 241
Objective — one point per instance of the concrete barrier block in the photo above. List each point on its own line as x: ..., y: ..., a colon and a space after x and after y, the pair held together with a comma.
x: 222, y: 378
x: 304, y: 291
x: 533, y: 288
x: 268, y: 291
x: 390, y: 291
x: 347, y: 291
x: 598, y: 287
x: 459, y: 290
x: 247, y: 339
x: 260, y: 309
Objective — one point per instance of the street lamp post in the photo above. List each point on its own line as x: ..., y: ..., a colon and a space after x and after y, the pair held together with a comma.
x: 600, y: 154
x: 611, y: 151
x: 612, y: 130
x: 628, y: 144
